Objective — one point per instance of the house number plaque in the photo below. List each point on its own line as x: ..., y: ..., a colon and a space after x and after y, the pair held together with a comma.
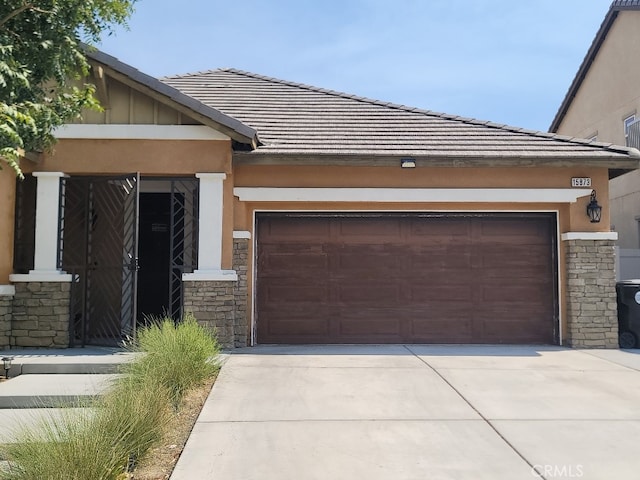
x: 581, y: 182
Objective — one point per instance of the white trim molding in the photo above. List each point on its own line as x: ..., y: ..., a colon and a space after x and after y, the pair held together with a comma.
x: 55, y: 276
x: 210, y: 276
x: 589, y: 236
x: 7, y: 291
x: 397, y: 195
x: 138, y: 132
x: 241, y: 234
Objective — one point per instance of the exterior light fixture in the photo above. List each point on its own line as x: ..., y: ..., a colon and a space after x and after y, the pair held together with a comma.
x: 7, y: 365
x: 594, y: 211
x: 408, y: 163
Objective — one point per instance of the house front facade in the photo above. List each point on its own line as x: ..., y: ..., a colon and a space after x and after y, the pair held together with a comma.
x: 282, y: 213
x: 603, y: 103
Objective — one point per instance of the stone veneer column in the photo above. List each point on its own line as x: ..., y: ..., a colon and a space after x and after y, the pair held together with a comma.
x: 592, y: 319
x: 40, y: 313
x: 7, y: 292
x: 241, y: 291
x: 222, y: 304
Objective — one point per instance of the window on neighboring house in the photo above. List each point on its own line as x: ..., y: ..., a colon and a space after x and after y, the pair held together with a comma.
x: 627, y: 123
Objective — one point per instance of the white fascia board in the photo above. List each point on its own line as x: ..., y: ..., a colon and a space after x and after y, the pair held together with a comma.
x: 589, y: 236
x: 397, y: 195
x: 138, y: 132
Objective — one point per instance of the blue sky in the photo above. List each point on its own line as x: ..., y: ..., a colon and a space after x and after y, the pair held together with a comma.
x: 505, y: 61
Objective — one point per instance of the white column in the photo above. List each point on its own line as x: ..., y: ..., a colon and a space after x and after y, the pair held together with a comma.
x: 46, y: 241
x: 47, y: 210
x: 210, y: 230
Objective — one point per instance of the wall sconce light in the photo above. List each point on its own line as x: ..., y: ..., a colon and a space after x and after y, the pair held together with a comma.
x: 594, y: 211
x: 7, y: 365
x: 408, y: 163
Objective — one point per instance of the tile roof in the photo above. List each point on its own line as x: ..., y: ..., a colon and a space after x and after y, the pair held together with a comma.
x: 296, y: 119
x: 616, y: 7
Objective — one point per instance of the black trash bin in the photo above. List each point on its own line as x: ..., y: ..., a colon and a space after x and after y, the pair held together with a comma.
x: 628, y: 292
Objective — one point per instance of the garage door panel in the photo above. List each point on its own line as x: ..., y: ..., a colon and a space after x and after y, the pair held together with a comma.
x: 501, y: 231
x: 444, y: 257
x: 368, y: 258
x: 301, y: 325
x: 370, y: 322
x: 463, y: 279
x: 291, y: 263
x: 295, y: 294
x: 285, y: 230
x: 436, y: 293
x: 357, y: 230
x: 514, y: 330
x: 440, y: 229
x: 368, y: 293
x: 513, y: 295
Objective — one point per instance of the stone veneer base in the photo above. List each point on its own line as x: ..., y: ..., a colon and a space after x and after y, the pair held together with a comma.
x: 222, y: 305
x: 40, y: 316
x: 592, y: 318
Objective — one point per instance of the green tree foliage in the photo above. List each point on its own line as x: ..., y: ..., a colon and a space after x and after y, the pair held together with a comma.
x: 42, y: 64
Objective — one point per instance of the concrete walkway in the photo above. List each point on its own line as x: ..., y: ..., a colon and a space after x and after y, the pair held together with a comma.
x: 44, y: 383
x: 419, y: 412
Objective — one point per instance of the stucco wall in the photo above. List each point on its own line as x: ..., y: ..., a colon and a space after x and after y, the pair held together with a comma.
x: 625, y: 208
x: 549, y: 177
x: 7, y: 208
x: 611, y: 90
x: 149, y: 157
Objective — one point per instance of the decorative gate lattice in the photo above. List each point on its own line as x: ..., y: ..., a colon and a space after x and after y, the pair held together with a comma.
x: 184, y: 238
x: 98, y: 246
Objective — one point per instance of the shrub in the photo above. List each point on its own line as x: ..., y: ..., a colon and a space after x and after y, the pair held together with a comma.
x: 126, y: 422
x: 177, y: 356
x: 98, y: 444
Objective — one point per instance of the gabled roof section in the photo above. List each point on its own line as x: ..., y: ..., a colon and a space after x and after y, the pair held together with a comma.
x: 293, y: 119
x: 165, y: 93
x: 616, y: 7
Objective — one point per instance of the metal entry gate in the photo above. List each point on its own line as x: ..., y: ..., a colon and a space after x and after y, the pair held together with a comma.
x: 98, y: 246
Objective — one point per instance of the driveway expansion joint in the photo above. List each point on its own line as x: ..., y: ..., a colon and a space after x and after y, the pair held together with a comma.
x: 484, y: 419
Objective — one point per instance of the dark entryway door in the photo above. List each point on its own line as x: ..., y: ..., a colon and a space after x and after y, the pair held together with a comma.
x: 154, y: 252
x: 406, y: 279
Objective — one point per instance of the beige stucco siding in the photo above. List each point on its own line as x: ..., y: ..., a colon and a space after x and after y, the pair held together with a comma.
x: 625, y: 209
x: 7, y: 208
x: 528, y: 178
x: 149, y: 157
x: 610, y: 92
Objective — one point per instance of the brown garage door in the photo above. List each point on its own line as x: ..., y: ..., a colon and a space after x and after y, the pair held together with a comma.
x: 405, y: 279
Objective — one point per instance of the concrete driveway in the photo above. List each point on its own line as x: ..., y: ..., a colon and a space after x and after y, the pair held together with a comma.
x: 419, y: 412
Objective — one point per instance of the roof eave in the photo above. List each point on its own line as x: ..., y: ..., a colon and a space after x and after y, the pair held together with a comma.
x: 129, y: 75
x: 614, y: 162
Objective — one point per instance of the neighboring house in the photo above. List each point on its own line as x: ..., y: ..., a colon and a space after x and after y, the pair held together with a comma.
x: 603, y: 103
x: 283, y: 213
